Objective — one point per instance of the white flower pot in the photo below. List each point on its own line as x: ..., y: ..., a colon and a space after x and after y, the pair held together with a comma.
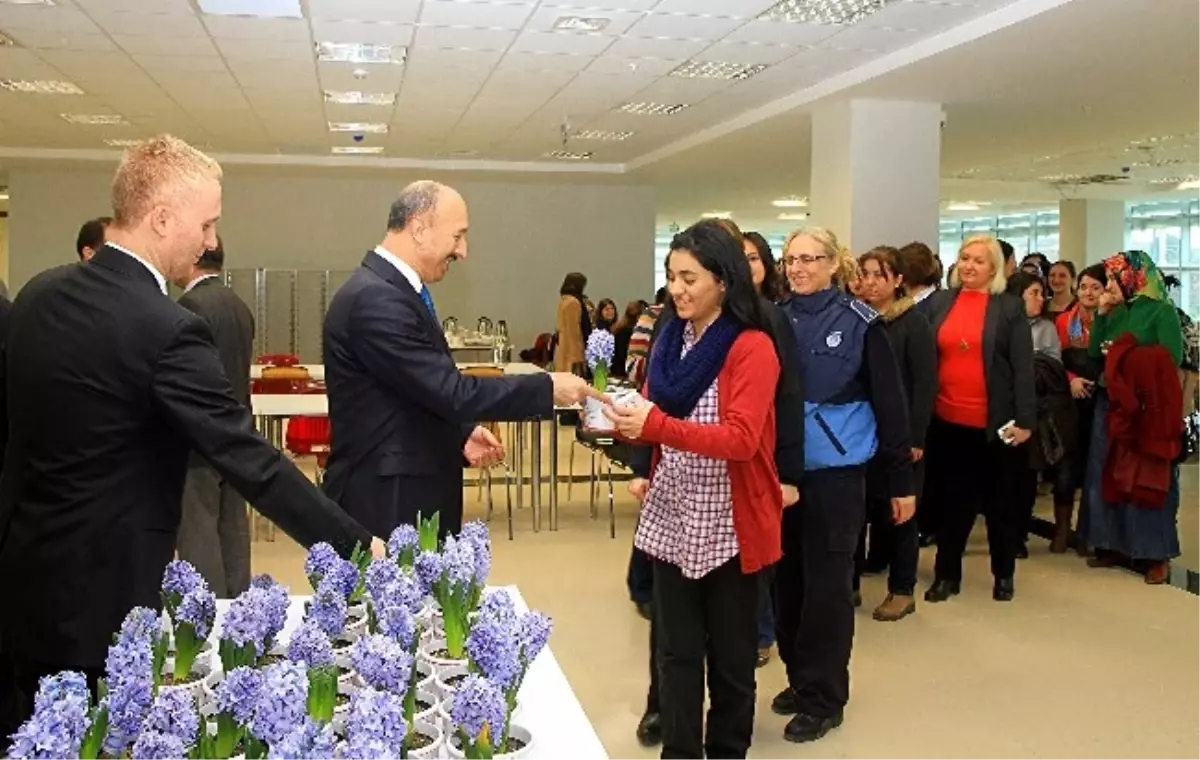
x: 439, y: 663
x: 446, y: 690
x: 198, y: 688
x: 434, y: 698
x: 357, y: 611
x: 433, y: 731
x: 348, y: 683
x: 356, y: 628
x: 516, y: 732
x: 594, y: 418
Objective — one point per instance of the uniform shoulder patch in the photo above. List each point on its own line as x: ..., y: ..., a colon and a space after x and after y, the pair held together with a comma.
x: 868, y: 314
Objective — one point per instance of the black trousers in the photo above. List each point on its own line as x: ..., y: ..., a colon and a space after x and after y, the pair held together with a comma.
x: 979, y: 476
x: 640, y: 578
x: 814, y: 611
x: 899, y: 544
x: 706, y: 624
x: 1026, y: 496
x: 19, y: 679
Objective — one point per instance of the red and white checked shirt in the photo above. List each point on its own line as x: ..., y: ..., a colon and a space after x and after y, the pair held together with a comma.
x: 687, y: 518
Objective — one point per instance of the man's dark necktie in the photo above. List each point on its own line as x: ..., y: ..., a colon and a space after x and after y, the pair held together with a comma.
x: 427, y: 298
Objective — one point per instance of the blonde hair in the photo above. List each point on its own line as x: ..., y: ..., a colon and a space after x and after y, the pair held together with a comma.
x: 847, y: 267
x: 999, y: 281
x: 154, y: 168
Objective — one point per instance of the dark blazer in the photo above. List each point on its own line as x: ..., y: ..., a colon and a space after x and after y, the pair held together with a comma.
x: 232, y: 327
x: 399, y: 409
x: 110, y: 385
x: 1007, y: 358
x: 5, y: 308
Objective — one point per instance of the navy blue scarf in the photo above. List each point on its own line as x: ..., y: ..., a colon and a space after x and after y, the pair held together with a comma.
x: 677, y: 382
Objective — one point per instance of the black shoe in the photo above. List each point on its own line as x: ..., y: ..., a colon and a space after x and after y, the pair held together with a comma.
x: 1023, y: 551
x: 807, y: 728
x: 649, y: 730
x: 856, y: 598
x: 927, y: 539
x: 645, y: 610
x: 784, y: 703
x: 942, y: 590
x: 1003, y: 590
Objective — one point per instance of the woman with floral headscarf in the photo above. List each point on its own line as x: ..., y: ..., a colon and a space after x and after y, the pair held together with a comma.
x: 1133, y: 304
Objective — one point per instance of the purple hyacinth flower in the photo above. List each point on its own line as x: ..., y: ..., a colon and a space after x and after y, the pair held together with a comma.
x: 377, y: 716
x: 534, y: 633
x: 237, y: 694
x: 403, y: 538
x: 311, y: 741
x: 321, y: 559
x: 310, y: 646
x: 152, y: 745
x: 199, y: 607
x: 262, y: 580
x: 495, y: 651
x: 499, y: 604
x: 59, y: 721
x: 382, y: 663
x: 328, y: 609
x: 282, y: 702
x: 129, y: 701
x: 275, y: 611
x: 181, y: 578
x: 368, y: 748
x: 382, y: 575
x: 429, y: 568
x: 459, y: 557
x: 245, y: 621
x: 174, y: 713
x: 477, y: 703
x: 344, y: 576
x: 64, y: 685
x: 140, y: 623
x: 397, y: 623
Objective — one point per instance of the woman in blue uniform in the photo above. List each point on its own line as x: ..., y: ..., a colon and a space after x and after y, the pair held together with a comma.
x: 854, y: 406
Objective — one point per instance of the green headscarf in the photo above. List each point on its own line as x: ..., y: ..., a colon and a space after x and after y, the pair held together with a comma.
x: 1137, y: 274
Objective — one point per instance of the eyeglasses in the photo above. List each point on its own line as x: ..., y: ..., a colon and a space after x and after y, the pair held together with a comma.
x: 806, y: 259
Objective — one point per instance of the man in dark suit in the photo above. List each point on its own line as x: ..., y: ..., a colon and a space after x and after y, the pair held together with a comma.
x: 91, y: 237
x: 214, y: 532
x: 110, y: 385
x: 403, y: 418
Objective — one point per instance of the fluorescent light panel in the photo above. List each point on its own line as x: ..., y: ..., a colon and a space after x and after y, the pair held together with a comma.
x: 1191, y: 184
x: 121, y: 143
x: 93, y: 118
x: 28, y: 2
x: 357, y: 52
x: 790, y: 202
x: 830, y: 12
x: 357, y: 98
x: 653, y: 109
x: 601, y: 134
x: 566, y: 155
x: 717, y: 70
x: 717, y: 215
x: 356, y: 150
x: 792, y: 217
x: 252, y: 8
x: 366, y: 127
x: 40, y: 87
x: 580, y: 23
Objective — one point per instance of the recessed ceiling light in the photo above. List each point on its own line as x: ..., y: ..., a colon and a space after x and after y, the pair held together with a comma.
x: 792, y: 202
x: 1191, y: 184
x: 965, y: 205
x: 567, y: 155
x: 356, y: 150
x: 371, y: 127
x: 717, y: 70
x: 6, y: 41
x: 792, y: 217
x: 835, y: 12
x: 356, y: 98
x: 653, y: 109
x: 580, y: 23
x: 122, y: 143
x: 357, y: 52
x: 3, y: 196
x: 40, y: 87
x: 93, y: 118
x: 600, y: 134
x: 717, y: 215
x: 28, y: 2
x: 252, y: 8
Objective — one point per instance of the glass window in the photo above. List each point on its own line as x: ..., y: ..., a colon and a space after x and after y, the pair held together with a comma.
x: 1168, y: 232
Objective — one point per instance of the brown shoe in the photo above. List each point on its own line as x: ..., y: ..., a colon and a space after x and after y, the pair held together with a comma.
x: 1102, y: 559
x: 1158, y: 573
x: 1062, y: 528
x: 895, y: 607
x: 764, y: 656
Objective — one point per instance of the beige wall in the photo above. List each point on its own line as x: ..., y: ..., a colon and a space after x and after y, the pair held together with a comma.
x: 524, y: 236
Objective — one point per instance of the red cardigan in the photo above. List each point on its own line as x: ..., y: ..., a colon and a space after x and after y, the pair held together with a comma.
x: 745, y: 438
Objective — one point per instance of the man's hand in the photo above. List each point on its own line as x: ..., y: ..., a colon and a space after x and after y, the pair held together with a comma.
x: 918, y: 454
x: 378, y: 548
x: 1018, y: 436
x: 638, y: 487
x: 629, y: 419
x: 482, y: 448
x: 572, y: 389
x: 1081, y: 388
x: 903, y: 508
x: 791, y: 494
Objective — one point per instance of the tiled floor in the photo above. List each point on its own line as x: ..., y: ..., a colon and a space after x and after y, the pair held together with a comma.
x: 1083, y: 663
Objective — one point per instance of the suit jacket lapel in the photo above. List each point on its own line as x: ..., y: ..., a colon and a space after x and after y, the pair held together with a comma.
x: 991, y: 322
x: 118, y: 261
x: 385, y: 270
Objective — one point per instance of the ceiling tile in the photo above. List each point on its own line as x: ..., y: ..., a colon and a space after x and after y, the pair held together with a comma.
x: 543, y: 62
x: 748, y: 53
x: 828, y: 60
x: 618, y: 86
x: 618, y: 21
x: 145, y: 105
x: 83, y: 64
x: 878, y: 39
x: 618, y: 65
x: 242, y: 28
x: 209, y: 99
x: 431, y: 88
x: 175, y: 7
x: 187, y: 46
x: 431, y: 60
x: 363, y: 32
x: 174, y: 80
x: 337, y: 112
x: 782, y: 33
x: 620, y: 5
x: 266, y: 50
x: 491, y: 15
x: 133, y: 24
x: 926, y: 16
x: 180, y: 63
x: 340, y: 76
x: 630, y: 47
x: 681, y: 90
x: 58, y: 18
x: 460, y: 37
x: 518, y: 82
x: 16, y: 63
x: 284, y: 74
x: 733, y: 8
x: 569, y: 43
x: 394, y: 11
x: 42, y: 39
x: 684, y: 27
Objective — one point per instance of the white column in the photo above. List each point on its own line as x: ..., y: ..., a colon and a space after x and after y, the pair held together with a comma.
x: 1090, y: 230
x: 875, y: 178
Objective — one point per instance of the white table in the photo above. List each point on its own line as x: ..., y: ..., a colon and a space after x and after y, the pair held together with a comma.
x: 549, y: 707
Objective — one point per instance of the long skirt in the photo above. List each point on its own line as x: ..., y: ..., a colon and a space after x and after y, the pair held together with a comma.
x: 1127, y: 529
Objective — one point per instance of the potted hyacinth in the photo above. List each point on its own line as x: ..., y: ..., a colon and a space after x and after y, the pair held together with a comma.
x: 310, y: 647
x: 403, y: 546
x: 327, y: 609
x: 457, y: 585
x: 192, y: 609
x: 279, y: 708
x: 63, y: 724
x: 601, y: 345
x: 234, y: 701
x: 476, y: 717
x: 324, y: 566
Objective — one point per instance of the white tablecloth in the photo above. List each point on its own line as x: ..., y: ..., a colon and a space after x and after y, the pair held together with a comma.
x: 549, y: 708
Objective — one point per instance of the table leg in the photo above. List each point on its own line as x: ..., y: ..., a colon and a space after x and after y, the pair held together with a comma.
x: 554, y: 472
x: 535, y: 461
x: 520, y: 464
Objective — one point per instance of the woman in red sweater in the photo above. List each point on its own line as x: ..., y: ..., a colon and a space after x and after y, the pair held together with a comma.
x: 985, y: 410
x: 712, y: 511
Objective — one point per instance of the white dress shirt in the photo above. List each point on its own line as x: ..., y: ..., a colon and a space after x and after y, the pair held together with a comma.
x: 409, y: 273
x: 162, y: 281
x: 199, y: 280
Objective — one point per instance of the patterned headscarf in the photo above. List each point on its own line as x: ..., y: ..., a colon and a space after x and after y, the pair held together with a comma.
x: 1137, y: 275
